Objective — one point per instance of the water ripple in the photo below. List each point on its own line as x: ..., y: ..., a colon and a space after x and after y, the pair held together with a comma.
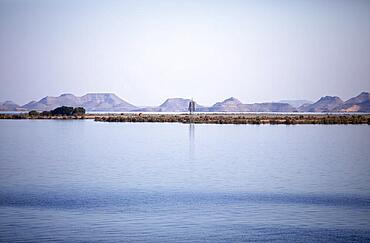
x: 91, y: 199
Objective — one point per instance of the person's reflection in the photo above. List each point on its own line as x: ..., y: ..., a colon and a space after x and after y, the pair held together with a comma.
x: 191, y: 140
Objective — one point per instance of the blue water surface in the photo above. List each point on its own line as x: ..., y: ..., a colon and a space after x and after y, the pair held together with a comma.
x: 168, y: 182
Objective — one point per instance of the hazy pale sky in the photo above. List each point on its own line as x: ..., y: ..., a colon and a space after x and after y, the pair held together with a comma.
x: 147, y: 51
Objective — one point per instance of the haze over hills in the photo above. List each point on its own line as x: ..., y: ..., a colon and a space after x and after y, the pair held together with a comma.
x: 296, y: 103
x: 108, y: 102
x: 9, y: 106
x: 271, y: 107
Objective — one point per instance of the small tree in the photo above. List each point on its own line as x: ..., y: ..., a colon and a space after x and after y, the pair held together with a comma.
x: 45, y: 113
x: 79, y: 111
x: 33, y: 113
x: 63, y: 110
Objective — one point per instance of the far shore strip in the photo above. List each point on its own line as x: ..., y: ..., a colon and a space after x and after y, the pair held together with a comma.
x: 231, y: 118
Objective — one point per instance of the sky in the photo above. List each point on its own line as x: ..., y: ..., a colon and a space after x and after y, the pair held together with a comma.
x: 148, y: 51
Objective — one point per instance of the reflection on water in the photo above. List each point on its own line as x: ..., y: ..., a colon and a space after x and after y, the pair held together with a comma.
x: 191, y: 140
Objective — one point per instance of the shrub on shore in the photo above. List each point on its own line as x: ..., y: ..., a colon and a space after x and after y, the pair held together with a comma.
x: 78, y: 111
x: 68, y: 111
x: 33, y: 113
x: 45, y: 113
x: 64, y: 111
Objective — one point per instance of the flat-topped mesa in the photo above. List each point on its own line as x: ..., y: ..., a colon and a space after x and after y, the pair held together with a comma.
x: 234, y: 105
x: 102, y: 97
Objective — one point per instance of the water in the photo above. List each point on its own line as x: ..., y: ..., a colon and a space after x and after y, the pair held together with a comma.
x: 88, y: 181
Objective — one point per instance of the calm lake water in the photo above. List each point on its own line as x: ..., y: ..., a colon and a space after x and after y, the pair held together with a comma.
x: 153, y: 182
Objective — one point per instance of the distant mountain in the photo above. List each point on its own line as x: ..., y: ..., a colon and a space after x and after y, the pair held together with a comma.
x: 271, y: 107
x: 105, y: 102
x: 361, y: 98
x: 296, y: 103
x: 9, y: 106
x: 91, y: 102
x: 325, y: 104
x: 172, y: 105
x: 50, y: 102
x: 229, y: 105
x: 360, y: 103
x: 110, y: 102
x: 234, y: 105
x: 175, y: 104
x: 31, y: 105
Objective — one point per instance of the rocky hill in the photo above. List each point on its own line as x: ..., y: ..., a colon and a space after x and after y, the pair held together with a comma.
x: 229, y: 105
x: 234, y: 105
x: 360, y: 103
x: 9, y: 106
x: 91, y: 102
x: 325, y: 104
